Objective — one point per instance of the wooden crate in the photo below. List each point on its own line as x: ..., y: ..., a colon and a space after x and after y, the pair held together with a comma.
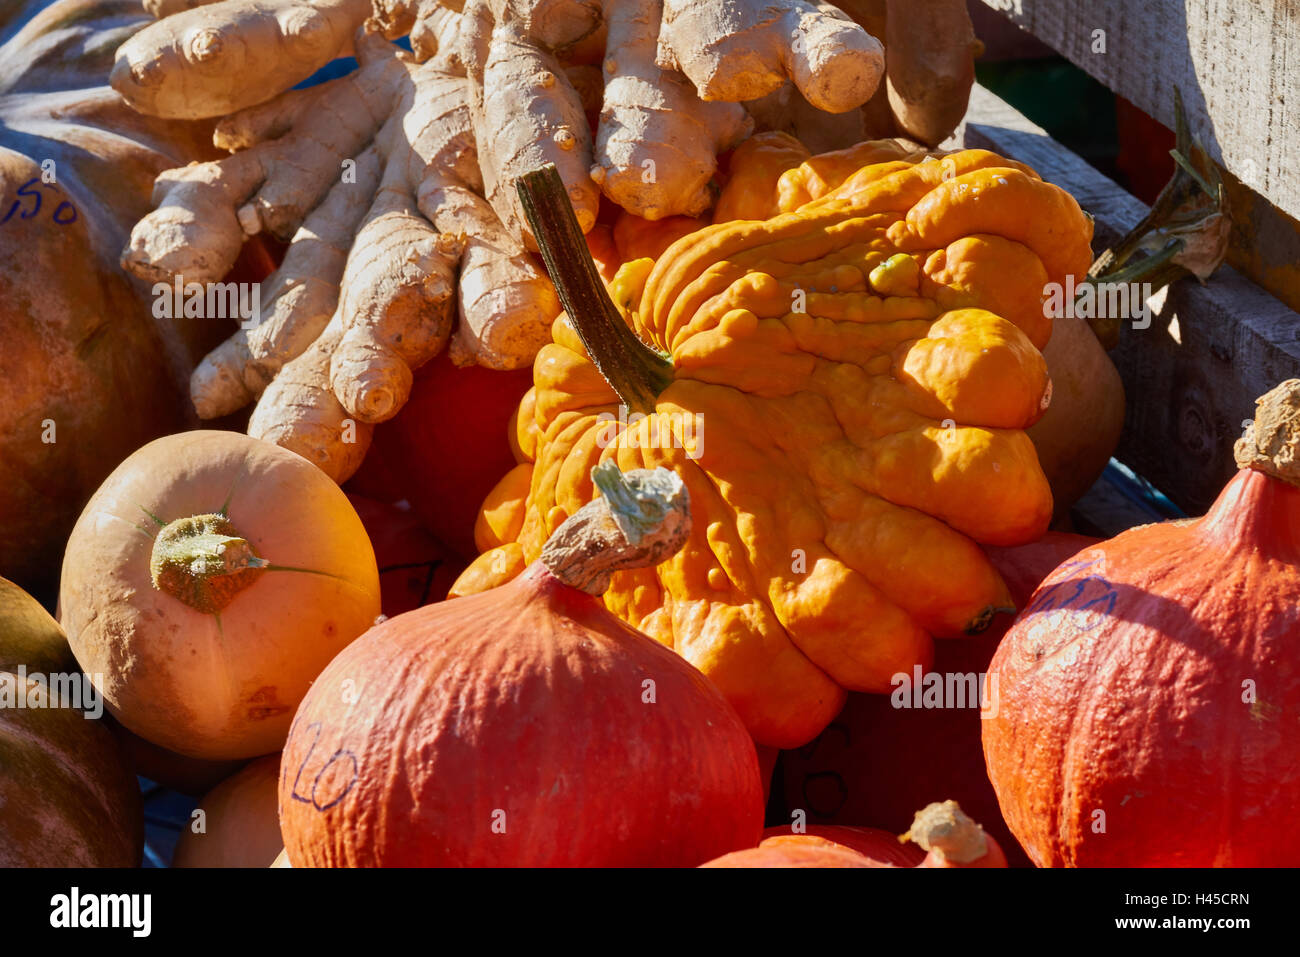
x: 1192, y: 376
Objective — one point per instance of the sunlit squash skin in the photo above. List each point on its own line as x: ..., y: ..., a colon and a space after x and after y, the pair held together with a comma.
x: 1148, y: 693
x: 859, y: 372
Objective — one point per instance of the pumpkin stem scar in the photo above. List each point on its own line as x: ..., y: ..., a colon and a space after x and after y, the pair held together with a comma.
x: 1271, y: 443
x: 204, y: 562
x: 634, y: 370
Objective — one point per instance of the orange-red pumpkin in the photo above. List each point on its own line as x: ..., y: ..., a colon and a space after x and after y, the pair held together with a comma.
x: 447, y: 448
x: 879, y: 845
x: 414, y: 567
x: 526, y: 725
x: 1149, y: 693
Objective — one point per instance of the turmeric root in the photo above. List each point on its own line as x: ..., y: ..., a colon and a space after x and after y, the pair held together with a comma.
x: 217, y: 58
x: 300, y: 412
x: 524, y: 105
x: 657, y: 143
x: 204, y: 211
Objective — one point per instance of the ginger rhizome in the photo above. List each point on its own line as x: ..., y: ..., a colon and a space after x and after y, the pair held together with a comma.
x: 373, y: 180
x: 674, y: 73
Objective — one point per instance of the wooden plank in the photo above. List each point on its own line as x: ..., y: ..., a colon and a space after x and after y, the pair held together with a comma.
x: 1193, y: 375
x: 1236, y: 63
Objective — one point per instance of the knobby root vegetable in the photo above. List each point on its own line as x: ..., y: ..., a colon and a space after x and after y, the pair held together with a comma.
x: 930, y: 51
x: 378, y: 219
x: 217, y: 58
x: 674, y: 74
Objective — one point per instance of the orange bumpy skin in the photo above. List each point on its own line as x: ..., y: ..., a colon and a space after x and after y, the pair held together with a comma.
x: 851, y: 382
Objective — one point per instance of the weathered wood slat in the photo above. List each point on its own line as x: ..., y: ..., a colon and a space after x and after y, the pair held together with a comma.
x: 1193, y: 375
x: 1237, y: 64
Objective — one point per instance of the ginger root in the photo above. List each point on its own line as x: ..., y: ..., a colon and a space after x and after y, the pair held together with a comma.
x: 216, y: 58
x: 674, y: 75
x: 374, y: 180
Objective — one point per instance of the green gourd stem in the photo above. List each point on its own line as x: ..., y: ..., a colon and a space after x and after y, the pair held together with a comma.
x: 635, y: 371
x: 640, y: 520
x: 204, y: 562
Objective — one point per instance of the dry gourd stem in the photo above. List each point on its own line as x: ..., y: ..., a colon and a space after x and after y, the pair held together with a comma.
x: 1272, y: 441
x: 641, y: 519
x: 946, y: 830
x: 1185, y: 233
x: 635, y: 371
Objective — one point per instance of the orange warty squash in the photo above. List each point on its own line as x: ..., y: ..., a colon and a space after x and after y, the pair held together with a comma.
x: 1148, y: 692
x: 207, y: 583
x: 240, y: 823
x: 67, y: 796
x: 945, y: 836
x: 844, y: 388
x: 525, y: 726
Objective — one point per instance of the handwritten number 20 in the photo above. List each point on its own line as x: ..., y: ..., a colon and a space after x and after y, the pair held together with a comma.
x: 63, y: 214
x: 341, y: 757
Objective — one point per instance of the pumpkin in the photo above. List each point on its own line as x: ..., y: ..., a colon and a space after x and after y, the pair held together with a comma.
x: 1148, y: 691
x: 879, y: 845
x: 67, y: 797
x: 89, y: 374
x: 447, y: 447
x: 414, y: 567
x: 1080, y: 430
x: 239, y: 826
x: 208, y: 581
x: 845, y: 405
x: 525, y: 726
x: 942, y: 830
x: 877, y: 762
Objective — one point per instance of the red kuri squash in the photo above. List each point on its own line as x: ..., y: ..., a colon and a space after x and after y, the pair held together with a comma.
x: 447, y: 448
x: 526, y: 725
x: 1149, y: 691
